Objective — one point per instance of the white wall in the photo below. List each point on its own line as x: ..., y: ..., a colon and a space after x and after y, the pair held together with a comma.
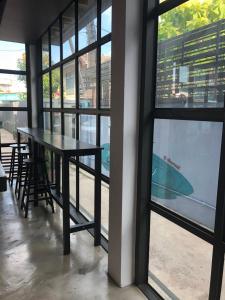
x: 126, y: 35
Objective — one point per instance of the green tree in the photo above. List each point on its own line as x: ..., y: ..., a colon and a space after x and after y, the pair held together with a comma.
x: 21, y: 64
x: 191, y: 15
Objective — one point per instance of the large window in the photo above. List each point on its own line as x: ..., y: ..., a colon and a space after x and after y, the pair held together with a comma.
x: 13, y: 91
x: 179, y: 263
x: 76, y: 85
x: 180, y: 237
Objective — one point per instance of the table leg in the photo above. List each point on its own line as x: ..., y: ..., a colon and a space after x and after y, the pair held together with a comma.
x: 35, y: 171
x: 57, y: 173
x: 66, y: 204
x: 97, y: 209
x: 18, y: 138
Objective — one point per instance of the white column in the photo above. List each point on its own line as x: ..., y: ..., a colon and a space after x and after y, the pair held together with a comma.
x: 126, y: 48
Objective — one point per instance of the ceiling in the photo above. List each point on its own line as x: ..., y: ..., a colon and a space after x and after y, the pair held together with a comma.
x: 25, y: 20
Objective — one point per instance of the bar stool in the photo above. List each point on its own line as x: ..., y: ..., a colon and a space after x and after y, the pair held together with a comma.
x: 14, y: 161
x: 21, y: 171
x: 36, y: 185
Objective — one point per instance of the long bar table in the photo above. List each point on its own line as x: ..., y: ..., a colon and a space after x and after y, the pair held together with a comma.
x: 66, y: 147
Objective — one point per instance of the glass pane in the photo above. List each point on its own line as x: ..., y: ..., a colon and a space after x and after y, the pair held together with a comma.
x: 69, y: 86
x: 179, y: 262
x: 13, y: 90
x: 223, y: 285
x: 70, y: 125
x: 87, y: 80
x: 190, y: 65
x: 105, y: 209
x: 105, y: 143
x: 13, y: 56
x: 48, y: 158
x: 46, y: 90
x: 55, y: 43
x: 68, y: 31
x: 87, y: 22
x: 45, y: 51
x: 106, y: 75
x: 47, y: 121
x: 72, y: 171
x: 56, y: 89
x: 9, y: 121
x: 185, y: 168
x: 56, y: 122
x: 106, y: 17
x: 88, y: 135
x: 87, y: 194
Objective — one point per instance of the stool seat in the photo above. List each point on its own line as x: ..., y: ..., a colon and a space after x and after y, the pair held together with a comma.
x: 28, y: 161
x: 18, y: 146
x: 35, y: 162
x: 23, y: 151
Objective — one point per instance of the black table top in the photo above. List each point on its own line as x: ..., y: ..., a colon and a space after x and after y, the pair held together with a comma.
x: 59, y: 143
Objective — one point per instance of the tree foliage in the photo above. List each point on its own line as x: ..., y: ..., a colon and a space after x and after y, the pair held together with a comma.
x: 191, y: 15
x: 21, y: 64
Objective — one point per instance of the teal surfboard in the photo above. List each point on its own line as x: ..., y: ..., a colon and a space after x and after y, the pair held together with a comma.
x: 167, y: 182
x: 106, y: 156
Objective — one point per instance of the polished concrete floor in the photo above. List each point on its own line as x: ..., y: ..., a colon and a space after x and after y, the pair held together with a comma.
x: 32, y: 265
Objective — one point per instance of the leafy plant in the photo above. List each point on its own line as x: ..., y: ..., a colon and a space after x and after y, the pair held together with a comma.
x: 191, y: 15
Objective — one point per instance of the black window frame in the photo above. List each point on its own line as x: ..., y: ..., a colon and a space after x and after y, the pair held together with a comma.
x: 28, y: 107
x: 148, y: 113
x: 77, y: 111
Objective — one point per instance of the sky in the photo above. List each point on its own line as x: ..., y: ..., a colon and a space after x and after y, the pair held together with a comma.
x: 9, y: 54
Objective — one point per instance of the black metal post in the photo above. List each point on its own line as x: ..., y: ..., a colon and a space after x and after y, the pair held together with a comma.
x: 66, y: 204
x: 97, y: 206
x: 57, y: 173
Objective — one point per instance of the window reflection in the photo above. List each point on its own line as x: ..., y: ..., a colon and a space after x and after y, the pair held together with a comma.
x: 13, y: 56
x: 185, y: 168
x: 46, y: 90
x: 47, y: 121
x: 190, y: 64
x: 56, y: 88
x: 69, y: 86
x: 9, y: 121
x: 106, y: 17
x: 179, y: 262
x: 55, y: 43
x: 88, y: 135
x: 45, y: 51
x: 70, y: 125
x: 68, y: 31
x: 105, y: 143
x: 56, y: 122
x: 87, y: 22
x: 13, y: 90
x: 106, y: 75
x: 87, y: 80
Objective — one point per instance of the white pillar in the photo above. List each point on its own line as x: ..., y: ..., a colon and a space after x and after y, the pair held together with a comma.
x: 126, y: 47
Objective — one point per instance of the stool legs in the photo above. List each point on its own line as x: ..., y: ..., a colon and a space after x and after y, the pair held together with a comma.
x: 12, y: 166
x: 36, y: 190
x: 20, y: 174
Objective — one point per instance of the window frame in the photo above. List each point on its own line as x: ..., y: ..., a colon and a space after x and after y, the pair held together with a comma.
x: 98, y: 111
x: 28, y: 107
x: 148, y: 113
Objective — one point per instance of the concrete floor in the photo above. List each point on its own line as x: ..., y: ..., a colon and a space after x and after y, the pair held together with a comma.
x: 32, y: 265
